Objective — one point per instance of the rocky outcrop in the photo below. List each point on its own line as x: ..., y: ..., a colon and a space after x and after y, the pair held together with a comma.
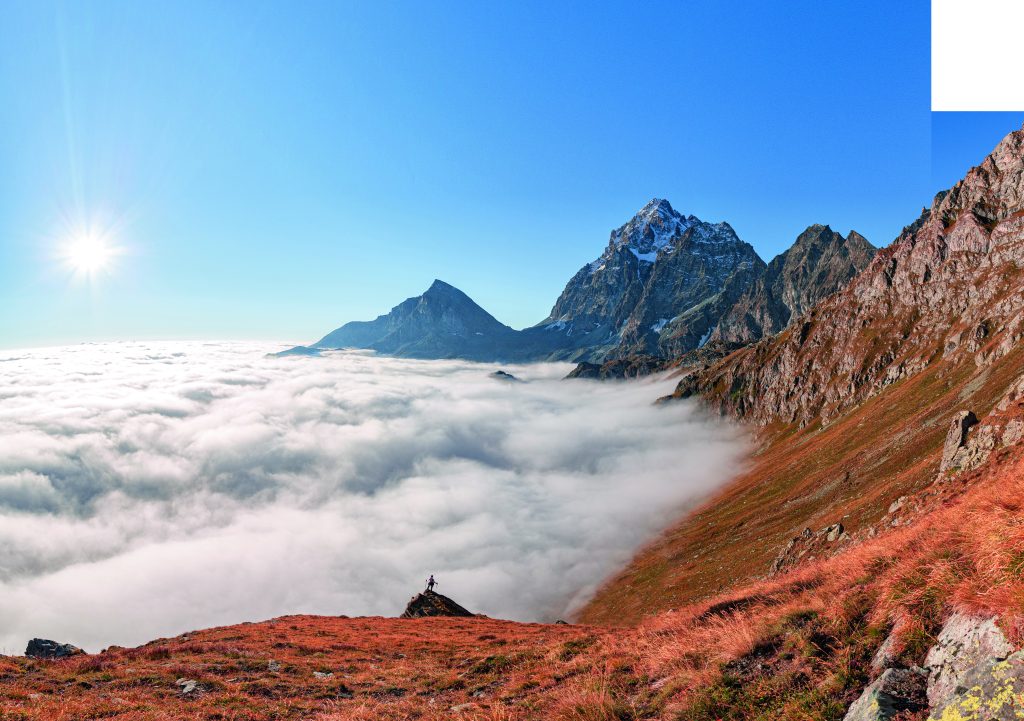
x: 809, y: 545
x: 965, y: 677
x: 819, y: 263
x: 431, y: 603
x: 505, y: 377
x: 950, y: 287
x: 963, y: 643
x: 634, y: 366
x: 897, y: 690
x: 956, y: 439
x: 659, y: 288
x: 44, y: 648
x: 1002, y: 427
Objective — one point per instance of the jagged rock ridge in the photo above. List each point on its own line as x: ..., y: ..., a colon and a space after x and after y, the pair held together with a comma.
x: 818, y: 264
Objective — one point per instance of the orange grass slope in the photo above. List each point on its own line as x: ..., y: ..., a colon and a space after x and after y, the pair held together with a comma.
x: 307, y: 667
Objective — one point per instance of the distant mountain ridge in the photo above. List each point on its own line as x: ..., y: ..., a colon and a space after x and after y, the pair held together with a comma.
x: 665, y: 284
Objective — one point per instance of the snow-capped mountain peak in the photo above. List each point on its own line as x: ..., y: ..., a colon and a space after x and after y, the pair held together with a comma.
x: 652, y: 229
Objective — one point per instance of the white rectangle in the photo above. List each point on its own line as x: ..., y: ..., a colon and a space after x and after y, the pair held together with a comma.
x: 977, y: 55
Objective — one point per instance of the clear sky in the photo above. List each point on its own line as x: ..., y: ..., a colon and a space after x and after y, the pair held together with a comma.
x: 272, y: 170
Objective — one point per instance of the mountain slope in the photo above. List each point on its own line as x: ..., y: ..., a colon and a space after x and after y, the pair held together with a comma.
x: 819, y: 263
x: 855, y: 398
x: 659, y: 288
x: 444, y: 322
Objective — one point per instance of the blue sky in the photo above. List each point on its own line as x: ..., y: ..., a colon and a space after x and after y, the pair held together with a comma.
x: 271, y: 170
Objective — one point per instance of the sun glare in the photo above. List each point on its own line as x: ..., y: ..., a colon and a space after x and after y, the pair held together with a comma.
x: 88, y: 254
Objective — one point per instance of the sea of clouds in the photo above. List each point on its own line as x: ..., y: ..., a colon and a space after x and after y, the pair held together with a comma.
x: 147, y: 489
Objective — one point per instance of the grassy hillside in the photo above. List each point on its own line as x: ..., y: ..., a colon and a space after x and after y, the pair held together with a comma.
x: 850, y: 472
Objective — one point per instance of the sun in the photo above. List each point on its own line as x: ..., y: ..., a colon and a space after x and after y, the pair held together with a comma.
x: 88, y: 254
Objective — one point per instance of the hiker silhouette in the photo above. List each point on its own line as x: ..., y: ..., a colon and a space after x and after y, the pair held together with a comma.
x: 431, y: 583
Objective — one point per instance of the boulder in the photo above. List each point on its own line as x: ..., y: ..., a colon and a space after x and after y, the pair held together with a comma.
x: 990, y: 691
x: 189, y: 687
x: 895, y: 691
x: 431, y: 603
x: 963, y: 643
x: 44, y: 648
x: 956, y: 438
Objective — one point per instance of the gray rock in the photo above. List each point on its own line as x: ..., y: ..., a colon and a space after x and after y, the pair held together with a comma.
x: 990, y: 691
x: 188, y: 687
x: 833, y: 532
x: 44, y: 648
x: 896, y: 690
x: 273, y: 666
x: 964, y: 642
x: 885, y: 656
x: 897, y: 504
x: 322, y: 674
x: 956, y: 438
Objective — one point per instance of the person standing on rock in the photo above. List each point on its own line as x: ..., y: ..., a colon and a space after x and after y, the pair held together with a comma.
x: 431, y: 583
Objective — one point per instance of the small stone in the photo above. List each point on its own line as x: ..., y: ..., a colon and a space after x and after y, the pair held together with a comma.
x: 273, y: 665
x: 188, y: 687
x: 323, y: 674
x: 833, y: 532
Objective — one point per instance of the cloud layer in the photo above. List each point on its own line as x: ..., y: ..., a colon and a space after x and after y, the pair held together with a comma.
x: 149, y: 489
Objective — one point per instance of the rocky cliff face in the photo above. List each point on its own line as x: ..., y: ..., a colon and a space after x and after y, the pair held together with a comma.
x: 444, y: 322
x: 819, y: 263
x: 659, y: 288
x: 950, y: 287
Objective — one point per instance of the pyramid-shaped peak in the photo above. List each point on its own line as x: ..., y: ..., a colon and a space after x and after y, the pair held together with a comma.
x: 658, y: 206
x: 439, y: 287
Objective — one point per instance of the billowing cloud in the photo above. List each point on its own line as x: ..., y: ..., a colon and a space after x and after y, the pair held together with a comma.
x: 149, y: 489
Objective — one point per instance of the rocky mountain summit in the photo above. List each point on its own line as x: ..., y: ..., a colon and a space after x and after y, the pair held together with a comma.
x: 659, y: 288
x: 432, y: 603
x: 818, y: 264
x: 948, y: 287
